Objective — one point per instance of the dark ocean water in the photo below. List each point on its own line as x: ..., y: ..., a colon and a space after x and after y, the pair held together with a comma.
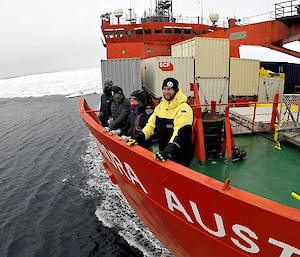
x: 55, y: 198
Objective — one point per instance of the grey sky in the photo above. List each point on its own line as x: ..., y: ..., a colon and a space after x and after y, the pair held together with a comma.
x: 43, y: 36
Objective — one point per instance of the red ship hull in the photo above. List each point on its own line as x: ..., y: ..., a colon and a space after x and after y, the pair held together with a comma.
x: 191, y: 213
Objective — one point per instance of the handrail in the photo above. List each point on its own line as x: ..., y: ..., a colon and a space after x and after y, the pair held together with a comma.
x: 287, y: 8
x: 242, y: 104
x: 247, y: 122
x: 178, y: 19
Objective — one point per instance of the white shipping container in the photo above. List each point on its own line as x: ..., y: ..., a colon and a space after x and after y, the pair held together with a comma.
x: 269, y: 87
x: 176, y: 51
x: 213, y: 89
x: 156, y: 69
x: 125, y: 73
x: 211, y: 55
x: 244, y: 77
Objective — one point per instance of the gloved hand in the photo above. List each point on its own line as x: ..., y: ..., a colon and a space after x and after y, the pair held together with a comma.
x: 131, y: 142
x: 160, y: 156
x: 106, y: 129
x: 114, y: 132
x: 101, y: 114
x: 110, y: 121
x: 124, y: 138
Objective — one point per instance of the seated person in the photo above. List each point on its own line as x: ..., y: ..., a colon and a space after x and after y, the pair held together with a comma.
x: 105, y: 104
x: 137, y: 118
x: 119, y: 110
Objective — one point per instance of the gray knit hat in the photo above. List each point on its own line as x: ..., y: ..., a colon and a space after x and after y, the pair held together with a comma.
x: 109, y: 82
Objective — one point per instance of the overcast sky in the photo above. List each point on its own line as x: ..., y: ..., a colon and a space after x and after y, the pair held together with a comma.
x: 43, y: 36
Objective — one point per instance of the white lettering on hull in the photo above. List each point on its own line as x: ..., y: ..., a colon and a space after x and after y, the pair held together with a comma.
x: 246, y: 236
x: 170, y: 197
x: 133, y: 177
x: 127, y: 172
x: 219, y: 222
x: 237, y: 230
x: 287, y: 251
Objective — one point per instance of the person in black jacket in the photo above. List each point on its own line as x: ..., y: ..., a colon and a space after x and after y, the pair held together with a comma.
x: 106, y: 100
x: 137, y: 118
x: 119, y: 110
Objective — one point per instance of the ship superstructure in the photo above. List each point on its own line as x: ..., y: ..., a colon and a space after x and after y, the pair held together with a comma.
x: 153, y: 35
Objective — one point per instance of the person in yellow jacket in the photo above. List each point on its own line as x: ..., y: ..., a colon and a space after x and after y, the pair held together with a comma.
x: 172, y: 120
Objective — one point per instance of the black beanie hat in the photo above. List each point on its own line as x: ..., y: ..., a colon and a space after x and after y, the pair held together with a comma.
x: 117, y: 89
x: 172, y: 83
x: 139, y: 95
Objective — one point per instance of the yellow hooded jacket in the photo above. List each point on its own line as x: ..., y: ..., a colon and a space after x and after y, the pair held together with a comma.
x: 173, y: 123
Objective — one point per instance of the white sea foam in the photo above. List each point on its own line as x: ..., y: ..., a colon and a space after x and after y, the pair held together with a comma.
x: 69, y: 83
x: 114, y: 210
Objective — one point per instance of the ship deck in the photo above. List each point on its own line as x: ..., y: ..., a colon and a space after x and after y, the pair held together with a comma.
x: 266, y: 171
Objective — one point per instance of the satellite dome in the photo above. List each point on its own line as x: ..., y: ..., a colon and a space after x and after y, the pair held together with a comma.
x: 118, y: 12
x: 214, y: 16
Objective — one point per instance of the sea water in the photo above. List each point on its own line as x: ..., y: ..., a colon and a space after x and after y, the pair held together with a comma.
x: 55, y: 197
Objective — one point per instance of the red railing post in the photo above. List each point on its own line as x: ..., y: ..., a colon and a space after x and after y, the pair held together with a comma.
x: 253, y: 121
x: 228, y: 134
x: 213, y: 107
x: 274, y: 112
x: 199, y: 152
x: 194, y: 87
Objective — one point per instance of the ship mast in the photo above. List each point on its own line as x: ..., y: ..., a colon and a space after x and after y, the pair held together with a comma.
x: 163, y: 8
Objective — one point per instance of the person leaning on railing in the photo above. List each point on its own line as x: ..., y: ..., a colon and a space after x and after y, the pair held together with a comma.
x: 105, y: 104
x: 119, y: 110
x: 136, y: 120
x: 172, y: 119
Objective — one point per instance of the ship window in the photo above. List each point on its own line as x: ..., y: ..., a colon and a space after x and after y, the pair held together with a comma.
x: 187, y: 31
x: 139, y: 32
x: 158, y: 31
x: 196, y: 32
x: 147, y: 32
x: 129, y: 33
x: 109, y: 33
x: 168, y: 31
x: 123, y: 51
x: 177, y: 31
x: 149, y: 51
x: 119, y: 33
